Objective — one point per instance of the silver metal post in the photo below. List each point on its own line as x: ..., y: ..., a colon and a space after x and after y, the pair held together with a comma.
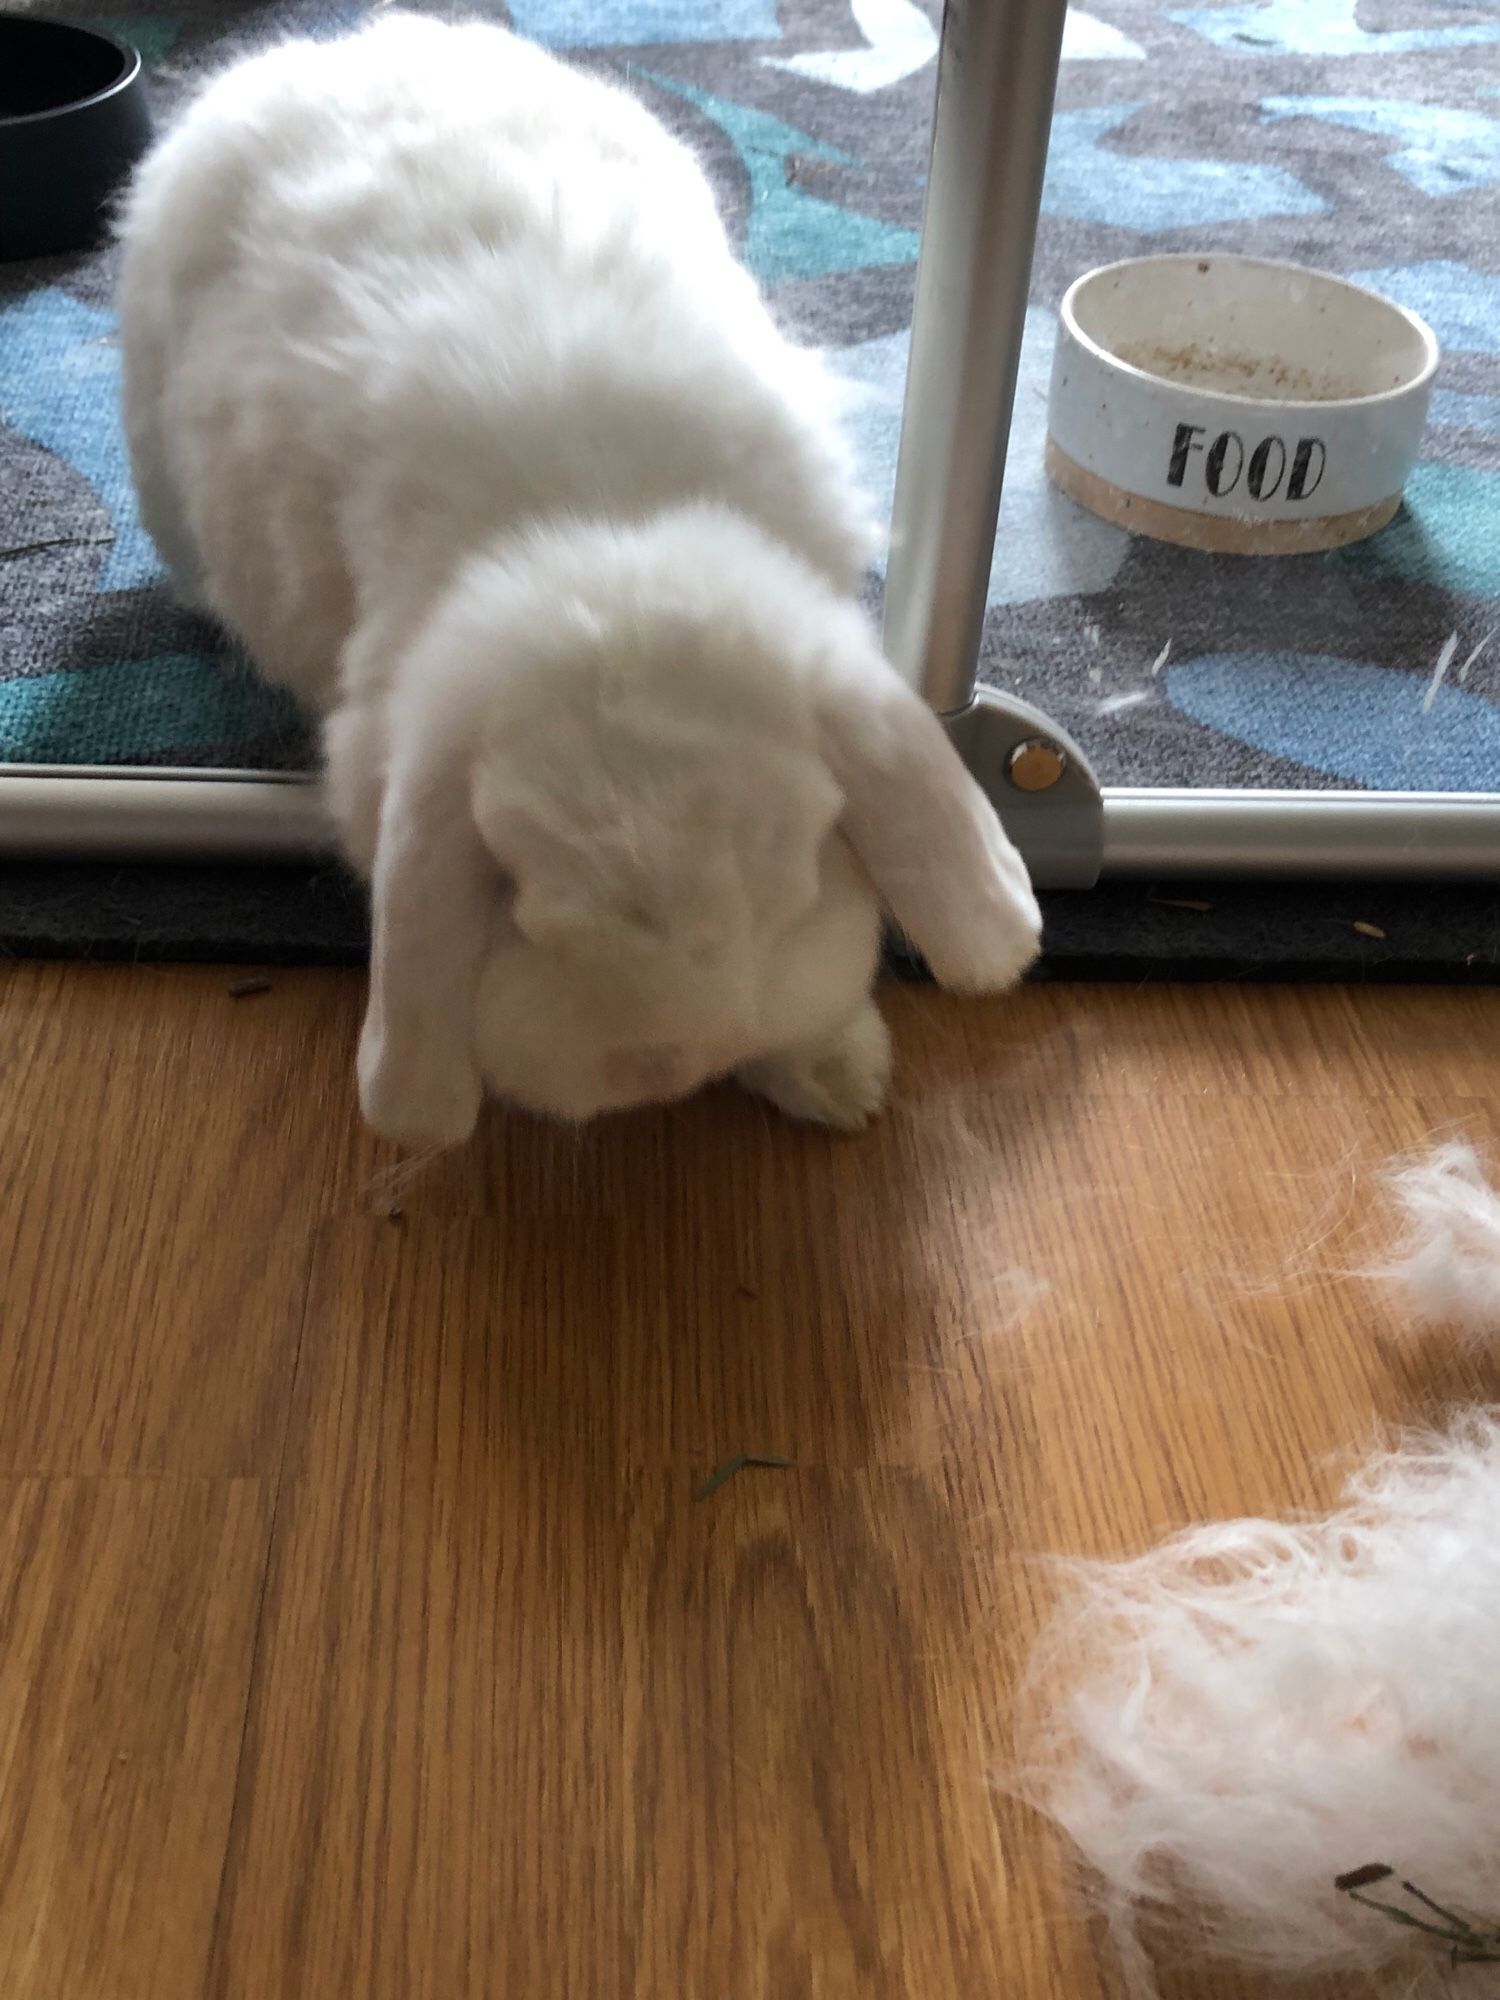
x: 997, y: 76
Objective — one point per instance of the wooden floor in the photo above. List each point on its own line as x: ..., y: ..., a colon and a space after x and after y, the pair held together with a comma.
x: 361, y: 1637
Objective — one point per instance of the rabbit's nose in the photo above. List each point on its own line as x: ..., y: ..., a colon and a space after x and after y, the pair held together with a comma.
x: 647, y: 1073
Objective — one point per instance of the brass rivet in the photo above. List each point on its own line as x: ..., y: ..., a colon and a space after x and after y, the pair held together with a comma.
x: 1036, y: 764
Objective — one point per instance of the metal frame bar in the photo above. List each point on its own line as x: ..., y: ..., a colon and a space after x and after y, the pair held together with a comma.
x: 77, y: 812
x: 1280, y: 836
x: 997, y: 77
x: 88, y: 813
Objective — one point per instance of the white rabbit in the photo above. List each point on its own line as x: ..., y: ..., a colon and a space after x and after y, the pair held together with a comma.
x: 445, y: 392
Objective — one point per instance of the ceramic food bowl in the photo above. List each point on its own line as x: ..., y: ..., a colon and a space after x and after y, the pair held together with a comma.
x: 1234, y: 404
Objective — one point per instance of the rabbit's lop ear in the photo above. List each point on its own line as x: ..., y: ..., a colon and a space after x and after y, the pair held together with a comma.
x: 432, y: 901
x: 929, y: 838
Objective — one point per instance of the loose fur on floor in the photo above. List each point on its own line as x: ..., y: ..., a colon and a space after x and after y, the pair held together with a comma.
x: 1446, y: 1259
x: 1225, y: 1725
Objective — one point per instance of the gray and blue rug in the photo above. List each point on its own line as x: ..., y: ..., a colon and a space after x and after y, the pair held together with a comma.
x: 1359, y: 135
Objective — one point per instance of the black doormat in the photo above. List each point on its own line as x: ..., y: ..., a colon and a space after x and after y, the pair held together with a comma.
x: 1365, y: 932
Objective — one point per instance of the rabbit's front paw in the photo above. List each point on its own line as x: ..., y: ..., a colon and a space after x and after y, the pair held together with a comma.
x: 840, y: 1080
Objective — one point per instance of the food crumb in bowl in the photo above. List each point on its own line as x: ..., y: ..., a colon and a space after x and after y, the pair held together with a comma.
x: 1205, y: 365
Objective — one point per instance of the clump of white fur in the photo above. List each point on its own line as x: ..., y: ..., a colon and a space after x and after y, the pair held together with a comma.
x: 1447, y: 1257
x: 1226, y: 1724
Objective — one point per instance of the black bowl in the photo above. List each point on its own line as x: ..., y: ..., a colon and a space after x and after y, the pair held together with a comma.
x: 73, y: 122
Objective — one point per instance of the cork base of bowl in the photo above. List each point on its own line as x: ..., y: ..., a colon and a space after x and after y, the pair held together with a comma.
x: 1218, y: 534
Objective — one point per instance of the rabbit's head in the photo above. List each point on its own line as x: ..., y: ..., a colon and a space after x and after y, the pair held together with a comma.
x: 645, y: 794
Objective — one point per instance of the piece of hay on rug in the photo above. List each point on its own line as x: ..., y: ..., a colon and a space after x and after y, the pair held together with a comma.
x: 1227, y: 1724
x: 1446, y: 1259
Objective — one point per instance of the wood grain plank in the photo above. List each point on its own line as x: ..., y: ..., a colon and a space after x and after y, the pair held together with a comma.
x: 430, y: 1803
x: 808, y: 1807
x: 127, y: 1617
x: 167, y: 1154
x: 526, y: 1718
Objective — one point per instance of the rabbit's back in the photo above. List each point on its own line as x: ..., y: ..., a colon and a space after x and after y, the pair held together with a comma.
x: 410, y: 140
x: 386, y: 297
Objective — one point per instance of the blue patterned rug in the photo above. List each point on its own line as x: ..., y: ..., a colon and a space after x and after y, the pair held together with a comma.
x: 1359, y: 135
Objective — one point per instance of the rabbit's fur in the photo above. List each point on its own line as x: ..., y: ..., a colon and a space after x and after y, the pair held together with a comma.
x: 445, y: 392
